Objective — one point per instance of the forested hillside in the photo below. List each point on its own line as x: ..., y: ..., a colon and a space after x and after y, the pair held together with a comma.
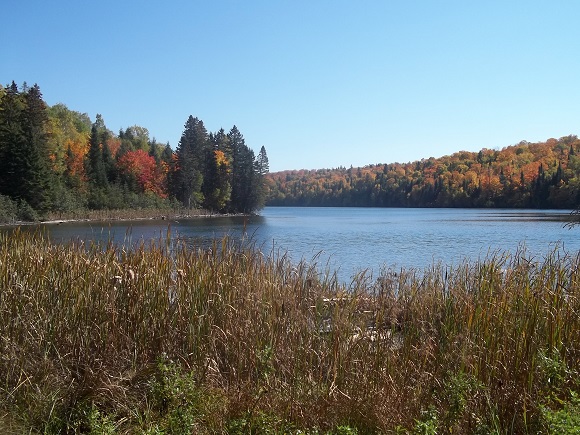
x: 526, y: 175
x: 53, y: 159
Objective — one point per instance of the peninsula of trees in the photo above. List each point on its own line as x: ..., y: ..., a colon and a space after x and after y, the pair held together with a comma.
x: 526, y: 175
x: 55, y: 160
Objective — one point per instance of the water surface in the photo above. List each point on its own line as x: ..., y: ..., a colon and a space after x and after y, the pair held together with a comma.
x: 356, y: 239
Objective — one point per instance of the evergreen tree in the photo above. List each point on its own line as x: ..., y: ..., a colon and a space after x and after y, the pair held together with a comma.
x: 216, y: 183
x: 167, y: 154
x: 239, y: 173
x: 108, y: 161
x: 246, y: 180
x: 24, y: 157
x: 541, y: 186
x: 95, y: 164
x: 262, y: 165
x: 37, y: 175
x: 189, y: 166
x: 12, y: 142
x: 155, y: 150
x: 217, y: 174
x: 210, y: 187
x: 221, y: 143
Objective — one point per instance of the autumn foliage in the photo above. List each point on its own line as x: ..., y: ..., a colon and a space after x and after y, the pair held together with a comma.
x: 144, y: 170
x: 57, y: 161
x: 526, y: 175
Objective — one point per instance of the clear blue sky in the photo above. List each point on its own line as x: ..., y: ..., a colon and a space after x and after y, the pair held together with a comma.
x: 319, y: 83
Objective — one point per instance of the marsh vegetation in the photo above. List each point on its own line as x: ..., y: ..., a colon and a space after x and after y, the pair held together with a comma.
x: 167, y: 338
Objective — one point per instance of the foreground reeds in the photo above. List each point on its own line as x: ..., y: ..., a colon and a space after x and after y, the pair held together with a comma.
x: 172, y: 339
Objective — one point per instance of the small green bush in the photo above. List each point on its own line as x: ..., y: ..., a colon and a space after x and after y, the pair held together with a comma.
x: 8, y: 210
x: 181, y: 405
x: 566, y: 419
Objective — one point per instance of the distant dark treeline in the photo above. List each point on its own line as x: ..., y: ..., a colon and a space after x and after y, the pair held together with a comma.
x: 55, y: 160
x: 526, y: 175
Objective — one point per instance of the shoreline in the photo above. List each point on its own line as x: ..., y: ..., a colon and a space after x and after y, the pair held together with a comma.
x: 119, y: 218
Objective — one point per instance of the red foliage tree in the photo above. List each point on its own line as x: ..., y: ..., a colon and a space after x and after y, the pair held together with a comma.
x: 144, y: 169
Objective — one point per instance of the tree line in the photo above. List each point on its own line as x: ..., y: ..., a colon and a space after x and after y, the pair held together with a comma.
x: 526, y: 175
x: 56, y: 160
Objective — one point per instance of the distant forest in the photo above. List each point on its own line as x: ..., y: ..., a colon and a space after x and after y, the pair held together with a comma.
x: 56, y: 160
x: 527, y: 175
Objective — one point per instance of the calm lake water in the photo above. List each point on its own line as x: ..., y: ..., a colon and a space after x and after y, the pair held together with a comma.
x: 354, y: 239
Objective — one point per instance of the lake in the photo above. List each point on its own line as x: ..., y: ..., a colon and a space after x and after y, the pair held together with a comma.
x: 354, y: 239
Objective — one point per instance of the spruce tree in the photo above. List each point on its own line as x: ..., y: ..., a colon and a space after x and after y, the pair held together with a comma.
x: 24, y: 157
x: 37, y: 176
x: 245, y: 178
x: 221, y: 143
x: 188, y: 175
x: 262, y: 167
x: 210, y: 187
x: 94, y: 164
x: 108, y: 160
x: 239, y: 193
x: 12, y: 142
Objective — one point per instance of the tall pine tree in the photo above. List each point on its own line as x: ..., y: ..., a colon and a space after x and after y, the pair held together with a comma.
x: 95, y: 163
x: 188, y: 175
x: 12, y: 142
x: 245, y: 179
x: 37, y: 178
x: 24, y: 156
x: 262, y: 167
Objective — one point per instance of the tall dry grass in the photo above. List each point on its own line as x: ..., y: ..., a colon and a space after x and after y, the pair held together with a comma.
x: 481, y: 347
x: 125, y: 214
